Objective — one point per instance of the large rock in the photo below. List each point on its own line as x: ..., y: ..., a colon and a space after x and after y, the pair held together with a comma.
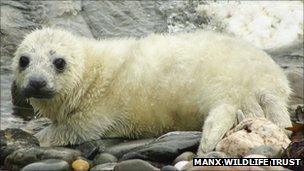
x: 122, y: 148
x: 48, y: 165
x: 25, y: 156
x: 251, y: 133
x: 167, y: 147
x: 13, y: 139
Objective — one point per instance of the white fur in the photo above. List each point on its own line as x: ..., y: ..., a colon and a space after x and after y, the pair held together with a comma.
x: 145, y: 87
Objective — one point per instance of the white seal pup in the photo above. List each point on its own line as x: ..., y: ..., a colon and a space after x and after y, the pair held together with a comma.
x: 145, y: 87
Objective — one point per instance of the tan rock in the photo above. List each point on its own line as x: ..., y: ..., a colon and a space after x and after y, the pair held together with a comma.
x: 252, y: 132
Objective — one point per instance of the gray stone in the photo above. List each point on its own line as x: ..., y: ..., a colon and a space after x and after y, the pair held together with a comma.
x: 13, y: 139
x: 185, y: 156
x: 169, y: 168
x: 48, y: 165
x: 104, y: 158
x: 268, y: 151
x: 122, y: 148
x: 25, y: 156
x: 104, y: 167
x: 167, y: 147
x: 215, y: 154
x: 134, y: 165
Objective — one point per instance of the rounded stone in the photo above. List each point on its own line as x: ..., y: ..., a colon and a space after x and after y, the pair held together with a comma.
x: 49, y: 165
x: 104, y: 167
x: 181, y: 164
x: 104, y: 158
x: 268, y: 151
x: 134, y: 165
x: 215, y: 154
x: 185, y: 156
x: 169, y: 168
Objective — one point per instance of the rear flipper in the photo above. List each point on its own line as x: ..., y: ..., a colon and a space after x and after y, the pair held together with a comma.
x: 220, y: 119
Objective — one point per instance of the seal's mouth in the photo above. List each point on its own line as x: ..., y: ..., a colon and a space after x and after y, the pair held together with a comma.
x: 38, y: 94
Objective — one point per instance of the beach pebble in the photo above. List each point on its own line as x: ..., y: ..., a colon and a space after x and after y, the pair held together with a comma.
x: 185, y: 156
x: 104, y: 158
x: 134, y: 165
x: 104, y: 167
x: 48, y: 165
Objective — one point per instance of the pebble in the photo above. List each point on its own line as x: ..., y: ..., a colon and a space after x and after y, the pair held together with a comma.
x: 169, y: 168
x: 268, y: 151
x: 104, y: 167
x: 104, y: 158
x: 185, y: 156
x: 80, y: 165
x: 134, y: 165
x: 215, y: 154
x: 13, y: 139
x: 48, y: 165
x: 181, y: 164
x: 25, y: 156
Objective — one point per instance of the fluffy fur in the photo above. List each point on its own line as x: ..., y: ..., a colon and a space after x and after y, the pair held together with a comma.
x: 146, y: 87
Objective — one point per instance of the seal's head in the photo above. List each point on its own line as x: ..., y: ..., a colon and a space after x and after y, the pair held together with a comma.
x: 47, y: 63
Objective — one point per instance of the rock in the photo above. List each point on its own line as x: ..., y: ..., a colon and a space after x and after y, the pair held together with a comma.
x: 169, y: 168
x: 80, y: 165
x: 104, y: 158
x: 122, y: 148
x: 181, y: 164
x: 91, y: 148
x: 104, y: 167
x: 295, y: 150
x: 167, y: 147
x: 48, y: 165
x: 296, y: 80
x: 134, y: 165
x: 37, y: 125
x: 268, y: 151
x: 255, y: 156
x: 25, y: 156
x: 250, y: 133
x: 13, y: 139
x: 215, y: 154
x: 185, y: 156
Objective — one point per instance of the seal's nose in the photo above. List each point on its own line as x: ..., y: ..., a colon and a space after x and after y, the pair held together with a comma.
x: 37, y: 83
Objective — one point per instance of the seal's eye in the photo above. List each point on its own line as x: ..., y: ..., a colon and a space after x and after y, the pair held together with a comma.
x: 24, y: 61
x: 59, y: 64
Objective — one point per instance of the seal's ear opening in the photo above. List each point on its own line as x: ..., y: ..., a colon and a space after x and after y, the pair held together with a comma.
x: 21, y: 106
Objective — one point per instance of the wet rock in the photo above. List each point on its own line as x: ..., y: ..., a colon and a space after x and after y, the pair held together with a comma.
x: 268, y: 151
x: 91, y: 148
x: 215, y: 154
x: 169, y: 168
x: 181, y: 164
x: 13, y: 139
x: 25, y: 156
x: 122, y: 148
x: 167, y: 147
x: 48, y: 165
x: 250, y: 133
x: 37, y: 125
x: 104, y: 158
x: 134, y: 165
x: 80, y: 165
x: 295, y: 150
x: 185, y: 156
x: 104, y: 167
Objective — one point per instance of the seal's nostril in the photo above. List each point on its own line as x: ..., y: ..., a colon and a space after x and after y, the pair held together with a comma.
x: 37, y: 83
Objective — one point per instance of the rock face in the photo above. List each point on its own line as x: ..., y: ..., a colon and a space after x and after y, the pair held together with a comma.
x: 167, y: 147
x: 24, y: 156
x: 250, y: 133
x: 13, y: 139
